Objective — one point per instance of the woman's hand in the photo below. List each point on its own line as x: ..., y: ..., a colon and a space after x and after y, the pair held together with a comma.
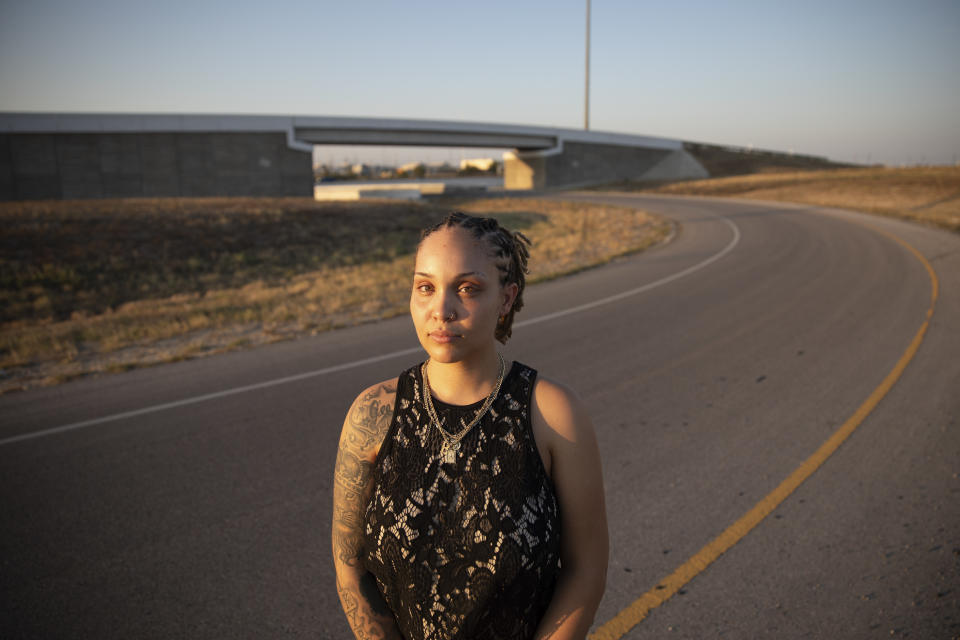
x: 363, y: 432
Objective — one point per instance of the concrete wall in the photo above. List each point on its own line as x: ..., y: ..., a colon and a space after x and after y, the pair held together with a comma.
x: 123, y: 165
x: 404, y: 189
x: 580, y: 164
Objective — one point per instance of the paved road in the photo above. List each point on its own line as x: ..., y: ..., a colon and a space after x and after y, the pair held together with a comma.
x: 745, y: 344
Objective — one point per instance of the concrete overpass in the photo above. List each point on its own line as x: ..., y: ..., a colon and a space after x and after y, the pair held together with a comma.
x: 61, y: 155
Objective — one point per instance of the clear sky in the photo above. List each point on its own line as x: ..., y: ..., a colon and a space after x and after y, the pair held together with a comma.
x: 855, y: 80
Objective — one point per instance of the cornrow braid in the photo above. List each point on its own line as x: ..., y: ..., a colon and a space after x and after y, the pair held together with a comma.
x: 510, y: 250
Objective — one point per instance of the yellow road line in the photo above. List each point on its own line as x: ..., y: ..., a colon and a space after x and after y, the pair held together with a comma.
x: 666, y: 588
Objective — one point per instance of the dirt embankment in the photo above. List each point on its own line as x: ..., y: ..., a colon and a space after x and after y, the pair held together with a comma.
x: 723, y: 162
x: 929, y: 195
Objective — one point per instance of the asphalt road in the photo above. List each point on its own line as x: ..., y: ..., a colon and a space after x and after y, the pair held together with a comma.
x: 200, y: 507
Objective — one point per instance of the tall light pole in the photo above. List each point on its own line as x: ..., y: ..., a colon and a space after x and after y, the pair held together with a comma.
x: 586, y: 91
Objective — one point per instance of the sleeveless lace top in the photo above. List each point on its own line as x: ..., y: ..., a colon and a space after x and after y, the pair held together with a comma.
x: 466, y: 548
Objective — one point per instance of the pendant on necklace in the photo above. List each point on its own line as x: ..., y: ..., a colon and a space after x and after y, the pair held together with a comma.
x: 449, y: 451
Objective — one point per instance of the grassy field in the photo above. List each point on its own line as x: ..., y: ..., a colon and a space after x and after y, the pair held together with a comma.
x: 108, y: 285
x: 930, y: 195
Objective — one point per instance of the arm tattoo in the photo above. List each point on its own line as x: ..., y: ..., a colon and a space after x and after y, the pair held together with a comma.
x: 366, y: 426
x: 375, y: 623
x: 370, y: 418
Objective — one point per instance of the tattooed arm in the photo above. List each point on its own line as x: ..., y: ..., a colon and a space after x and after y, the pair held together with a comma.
x: 363, y: 432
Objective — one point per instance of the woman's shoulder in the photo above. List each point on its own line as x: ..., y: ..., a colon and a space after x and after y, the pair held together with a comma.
x: 369, y: 417
x: 560, y: 409
x: 384, y: 387
x: 556, y: 394
x: 375, y: 397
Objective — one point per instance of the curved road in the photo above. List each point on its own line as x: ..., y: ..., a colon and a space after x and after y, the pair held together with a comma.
x: 192, y: 500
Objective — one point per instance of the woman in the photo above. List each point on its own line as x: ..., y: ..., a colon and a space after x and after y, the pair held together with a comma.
x: 468, y: 497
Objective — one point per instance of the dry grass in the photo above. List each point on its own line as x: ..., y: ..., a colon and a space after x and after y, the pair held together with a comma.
x: 105, y: 286
x: 570, y: 236
x: 930, y: 195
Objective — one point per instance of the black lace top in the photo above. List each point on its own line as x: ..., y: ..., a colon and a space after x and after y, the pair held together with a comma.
x: 469, y: 548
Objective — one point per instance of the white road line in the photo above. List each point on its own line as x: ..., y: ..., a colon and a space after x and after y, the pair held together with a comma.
x: 632, y: 292
x: 386, y: 356
x: 208, y: 396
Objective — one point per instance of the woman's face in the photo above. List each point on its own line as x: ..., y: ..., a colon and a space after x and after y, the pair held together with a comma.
x: 457, y: 298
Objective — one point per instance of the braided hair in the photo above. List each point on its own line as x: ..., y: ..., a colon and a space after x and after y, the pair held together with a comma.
x: 509, y: 249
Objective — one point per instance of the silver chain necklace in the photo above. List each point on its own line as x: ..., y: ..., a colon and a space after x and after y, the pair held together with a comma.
x: 451, y: 441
